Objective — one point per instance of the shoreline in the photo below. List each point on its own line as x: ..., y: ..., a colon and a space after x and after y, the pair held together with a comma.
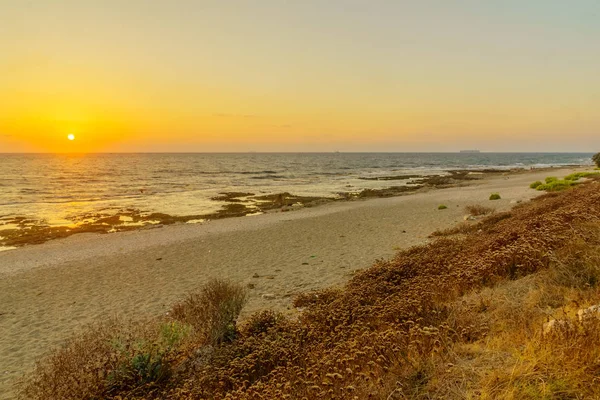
x: 21, y: 231
x: 93, y: 244
x: 50, y: 290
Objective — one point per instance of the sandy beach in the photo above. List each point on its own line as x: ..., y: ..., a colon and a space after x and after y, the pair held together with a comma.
x: 47, y: 291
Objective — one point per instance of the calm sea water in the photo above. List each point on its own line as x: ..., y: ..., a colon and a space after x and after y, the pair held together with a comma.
x: 58, y: 189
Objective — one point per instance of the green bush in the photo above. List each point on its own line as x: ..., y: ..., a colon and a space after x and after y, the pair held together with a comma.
x: 557, y: 186
x: 551, y: 179
x: 495, y: 196
x: 442, y: 207
x: 575, y: 176
x: 535, y: 184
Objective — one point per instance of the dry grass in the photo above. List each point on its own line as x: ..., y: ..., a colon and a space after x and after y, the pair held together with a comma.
x: 506, y: 355
x: 477, y: 210
x: 213, y: 311
x: 458, y: 318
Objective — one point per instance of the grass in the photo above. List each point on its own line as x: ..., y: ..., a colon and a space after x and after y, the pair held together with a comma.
x: 477, y: 210
x: 507, y: 356
x: 495, y: 196
x: 442, y: 207
x: 460, y: 317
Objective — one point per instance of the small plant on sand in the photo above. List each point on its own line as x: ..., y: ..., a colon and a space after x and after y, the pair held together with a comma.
x: 535, y: 184
x: 477, y: 210
x: 550, y: 179
x: 442, y: 207
x: 596, y: 159
x: 495, y: 196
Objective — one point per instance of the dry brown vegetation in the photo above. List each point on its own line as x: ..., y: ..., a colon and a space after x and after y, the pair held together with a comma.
x: 137, y: 356
x: 458, y: 318
x: 477, y: 210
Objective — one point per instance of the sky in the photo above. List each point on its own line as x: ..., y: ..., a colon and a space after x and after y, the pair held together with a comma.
x: 304, y: 75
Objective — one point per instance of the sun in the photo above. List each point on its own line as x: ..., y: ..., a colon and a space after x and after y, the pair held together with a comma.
x: 70, y: 136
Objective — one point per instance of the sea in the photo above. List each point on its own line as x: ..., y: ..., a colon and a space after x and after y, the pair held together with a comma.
x: 58, y: 189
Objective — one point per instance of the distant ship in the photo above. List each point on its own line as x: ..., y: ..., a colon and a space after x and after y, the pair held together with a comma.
x: 470, y: 151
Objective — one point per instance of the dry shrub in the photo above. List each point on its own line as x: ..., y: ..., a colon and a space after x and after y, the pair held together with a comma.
x: 478, y: 210
x: 212, y: 311
x: 460, y: 229
x: 107, y: 358
x: 464, y: 228
x: 131, y: 358
x: 262, y: 321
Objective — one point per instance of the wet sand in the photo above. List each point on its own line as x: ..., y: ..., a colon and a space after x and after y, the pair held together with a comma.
x: 49, y: 290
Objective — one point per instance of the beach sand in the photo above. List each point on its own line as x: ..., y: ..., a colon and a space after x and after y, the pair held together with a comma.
x: 47, y: 291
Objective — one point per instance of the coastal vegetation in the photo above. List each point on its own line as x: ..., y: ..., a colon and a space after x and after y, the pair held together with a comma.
x: 553, y: 184
x: 534, y: 185
x: 495, y: 196
x: 442, y: 207
x: 460, y: 317
x: 123, y: 356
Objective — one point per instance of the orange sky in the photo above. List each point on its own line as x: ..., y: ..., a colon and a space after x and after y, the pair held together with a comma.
x: 299, y: 76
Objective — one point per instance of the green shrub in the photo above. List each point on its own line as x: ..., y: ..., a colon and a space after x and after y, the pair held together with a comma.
x: 551, y: 179
x: 575, y: 176
x: 495, y: 196
x: 557, y: 186
x: 442, y: 207
x: 535, y: 184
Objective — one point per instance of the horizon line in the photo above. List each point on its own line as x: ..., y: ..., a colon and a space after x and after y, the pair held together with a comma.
x: 305, y: 152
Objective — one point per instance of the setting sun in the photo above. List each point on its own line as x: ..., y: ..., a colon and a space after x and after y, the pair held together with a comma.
x: 71, y: 136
